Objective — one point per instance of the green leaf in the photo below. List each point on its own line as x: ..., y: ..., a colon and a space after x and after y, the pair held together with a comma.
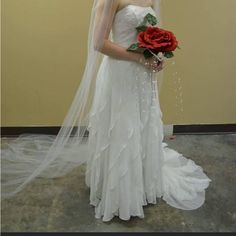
x: 141, y: 28
x: 169, y: 54
x: 147, y: 54
x: 178, y: 47
x: 141, y: 50
x: 150, y: 19
x: 133, y: 47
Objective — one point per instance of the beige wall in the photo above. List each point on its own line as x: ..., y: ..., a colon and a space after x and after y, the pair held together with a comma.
x: 44, y: 52
x: 206, y: 65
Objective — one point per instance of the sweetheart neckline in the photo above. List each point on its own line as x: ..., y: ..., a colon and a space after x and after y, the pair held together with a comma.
x: 129, y: 6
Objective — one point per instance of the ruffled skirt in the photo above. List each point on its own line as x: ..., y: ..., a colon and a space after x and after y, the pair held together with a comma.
x: 129, y: 165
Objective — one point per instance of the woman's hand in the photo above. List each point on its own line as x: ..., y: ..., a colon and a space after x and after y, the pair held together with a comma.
x: 152, y: 63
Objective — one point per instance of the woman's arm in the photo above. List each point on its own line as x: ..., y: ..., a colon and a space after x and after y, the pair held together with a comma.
x: 109, y: 48
x: 113, y: 50
x: 102, y: 43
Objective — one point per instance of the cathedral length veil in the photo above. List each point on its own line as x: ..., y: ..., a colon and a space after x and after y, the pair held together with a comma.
x: 49, y: 156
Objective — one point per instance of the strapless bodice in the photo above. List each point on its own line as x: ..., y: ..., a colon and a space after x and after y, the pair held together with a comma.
x: 125, y: 22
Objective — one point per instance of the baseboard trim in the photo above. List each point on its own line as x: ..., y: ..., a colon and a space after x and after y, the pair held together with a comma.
x: 205, y: 129
x: 16, y: 131
x: 169, y: 129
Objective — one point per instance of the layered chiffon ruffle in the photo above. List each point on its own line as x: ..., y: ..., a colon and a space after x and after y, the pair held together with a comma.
x: 129, y: 165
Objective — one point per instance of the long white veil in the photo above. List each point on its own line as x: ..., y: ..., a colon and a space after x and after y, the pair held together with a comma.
x: 49, y: 156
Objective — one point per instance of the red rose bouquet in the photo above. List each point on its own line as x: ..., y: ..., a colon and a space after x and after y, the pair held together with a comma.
x: 154, y: 41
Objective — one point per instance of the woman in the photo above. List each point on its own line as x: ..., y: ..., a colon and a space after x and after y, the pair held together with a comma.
x: 128, y: 164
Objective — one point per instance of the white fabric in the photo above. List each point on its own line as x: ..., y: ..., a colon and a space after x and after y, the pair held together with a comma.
x: 128, y: 164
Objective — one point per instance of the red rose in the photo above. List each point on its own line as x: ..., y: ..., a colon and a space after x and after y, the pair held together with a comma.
x: 157, y: 39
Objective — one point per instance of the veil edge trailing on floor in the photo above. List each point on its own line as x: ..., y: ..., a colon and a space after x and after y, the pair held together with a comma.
x: 49, y: 156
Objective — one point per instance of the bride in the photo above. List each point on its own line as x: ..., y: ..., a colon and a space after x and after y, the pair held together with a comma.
x: 127, y: 163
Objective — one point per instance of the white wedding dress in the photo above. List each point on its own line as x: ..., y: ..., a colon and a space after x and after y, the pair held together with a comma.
x: 130, y: 165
